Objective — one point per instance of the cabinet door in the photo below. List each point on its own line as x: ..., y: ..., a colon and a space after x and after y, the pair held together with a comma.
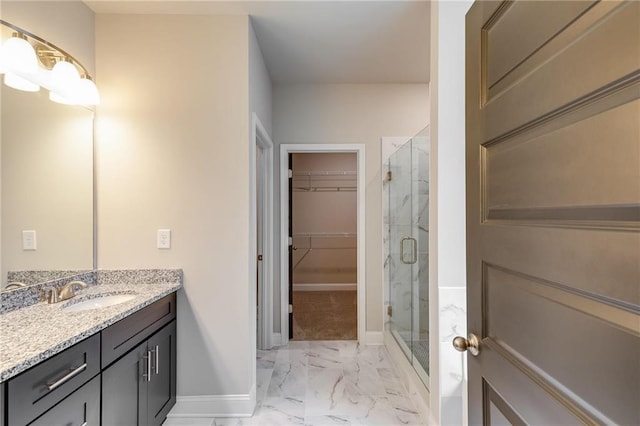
x: 2, y: 394
x: 81, y: 408
x: 162, y: 386
x: 124, y: 389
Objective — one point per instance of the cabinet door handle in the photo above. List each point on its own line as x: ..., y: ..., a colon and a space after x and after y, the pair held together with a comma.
x: 157, y: 359
x: 148, y: 366
x: 70, y: 375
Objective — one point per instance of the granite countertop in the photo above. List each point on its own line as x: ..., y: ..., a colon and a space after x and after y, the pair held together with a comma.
x: 32, y: 334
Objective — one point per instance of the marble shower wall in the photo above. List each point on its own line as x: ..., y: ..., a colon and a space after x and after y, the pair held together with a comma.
x: 420, y: 231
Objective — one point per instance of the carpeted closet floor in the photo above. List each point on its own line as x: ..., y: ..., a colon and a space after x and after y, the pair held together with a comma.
x: 325, y: 315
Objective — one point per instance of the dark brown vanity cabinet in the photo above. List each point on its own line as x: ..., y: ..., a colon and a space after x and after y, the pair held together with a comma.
x: 123, y: 375
x: 51, y: 383
x: 140, y: 388
x: 2, y: 403
x: 82, y: 407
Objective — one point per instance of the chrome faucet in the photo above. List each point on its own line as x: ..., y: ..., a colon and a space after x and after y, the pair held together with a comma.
x: 68, y: 290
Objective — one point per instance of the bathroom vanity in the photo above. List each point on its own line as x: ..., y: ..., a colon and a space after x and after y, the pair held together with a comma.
x: 72, y: 363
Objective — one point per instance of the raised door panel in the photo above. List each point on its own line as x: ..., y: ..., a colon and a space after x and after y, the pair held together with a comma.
x: 553, y: 212
x: 81, y: 408
x: 124, y: 389
x: 161, y: 394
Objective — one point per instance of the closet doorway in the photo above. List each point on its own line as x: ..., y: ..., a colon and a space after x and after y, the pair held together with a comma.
x: 324, y: 255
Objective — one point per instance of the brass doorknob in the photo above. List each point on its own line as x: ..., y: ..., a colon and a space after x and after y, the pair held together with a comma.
x: 472, y: 344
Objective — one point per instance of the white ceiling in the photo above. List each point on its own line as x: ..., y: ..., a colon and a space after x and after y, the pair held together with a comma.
x: 308, y: 41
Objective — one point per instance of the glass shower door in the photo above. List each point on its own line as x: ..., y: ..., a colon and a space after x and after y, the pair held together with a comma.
x: 407, y: 250
x: 400, y: 245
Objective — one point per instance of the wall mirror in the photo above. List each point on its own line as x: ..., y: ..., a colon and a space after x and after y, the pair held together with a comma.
x: 47, y: 182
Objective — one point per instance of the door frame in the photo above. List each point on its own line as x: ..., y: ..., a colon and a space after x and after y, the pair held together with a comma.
x: 260, y: 140
x: 285, y: 150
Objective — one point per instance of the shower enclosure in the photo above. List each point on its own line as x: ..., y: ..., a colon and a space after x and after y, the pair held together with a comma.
x: 406, y: 221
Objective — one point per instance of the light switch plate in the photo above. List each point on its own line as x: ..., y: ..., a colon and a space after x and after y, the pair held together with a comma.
x: 29, y: 240
x: 164, y: 239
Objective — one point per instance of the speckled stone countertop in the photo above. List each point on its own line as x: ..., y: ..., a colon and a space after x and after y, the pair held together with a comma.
x: 32, y: 334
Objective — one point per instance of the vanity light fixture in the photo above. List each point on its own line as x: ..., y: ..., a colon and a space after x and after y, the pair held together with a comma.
x: 29, y: 62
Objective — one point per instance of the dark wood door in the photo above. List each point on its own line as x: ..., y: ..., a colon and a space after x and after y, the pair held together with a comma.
x: 553, y: 212
x: 161, y: 388
x: 124, y: 389
x: 291, y: 246
x: 81, y: 408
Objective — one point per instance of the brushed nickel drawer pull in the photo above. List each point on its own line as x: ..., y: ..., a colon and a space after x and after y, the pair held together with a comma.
x: 157, y: 360
x: 148, y: 360
x: 70, y: 375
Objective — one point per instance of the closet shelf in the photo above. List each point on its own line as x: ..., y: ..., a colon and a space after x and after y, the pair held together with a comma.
x: 326, y: 234
x: 309, y: 238
x: 324, y: 181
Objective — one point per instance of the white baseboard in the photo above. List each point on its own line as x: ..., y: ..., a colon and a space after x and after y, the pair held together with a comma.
x: 374, y: 338
x: 325, y: 287
x: 276, y: 339
x: 203, y: 406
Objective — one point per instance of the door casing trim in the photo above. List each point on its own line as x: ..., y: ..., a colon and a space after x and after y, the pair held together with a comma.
x: 285, y: 150
x: 262, y: 141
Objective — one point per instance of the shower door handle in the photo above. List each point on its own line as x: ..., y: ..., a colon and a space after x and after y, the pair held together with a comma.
x: 413, y: 251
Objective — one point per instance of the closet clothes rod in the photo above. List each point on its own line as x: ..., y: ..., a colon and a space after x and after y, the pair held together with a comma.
x: 324, y: 173
x: 326, y: 234
x: 324, y: 181
x: 311, y: 236
x: 324, y: 189
x: 310, y: 249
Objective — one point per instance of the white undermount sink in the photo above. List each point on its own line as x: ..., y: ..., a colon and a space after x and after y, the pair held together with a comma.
x: 99, y: 302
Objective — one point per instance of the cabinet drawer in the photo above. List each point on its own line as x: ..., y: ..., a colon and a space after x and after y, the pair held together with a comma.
x: 36, y: 390
x: 127, y: 333
x: 81, y: 408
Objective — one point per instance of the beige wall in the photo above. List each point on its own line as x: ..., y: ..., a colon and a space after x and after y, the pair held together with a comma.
x: 351, y: 113
x: 173, y: 149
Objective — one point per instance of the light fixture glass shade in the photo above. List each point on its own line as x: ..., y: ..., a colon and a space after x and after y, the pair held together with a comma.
x: 60, y: 99
x: 64, y: 77
x: 20, y: 83
x: 87, y: 92
x: 19, y: 56
x: 43, y: 78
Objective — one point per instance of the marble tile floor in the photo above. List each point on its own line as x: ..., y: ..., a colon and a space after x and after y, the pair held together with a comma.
x: 315, y: 383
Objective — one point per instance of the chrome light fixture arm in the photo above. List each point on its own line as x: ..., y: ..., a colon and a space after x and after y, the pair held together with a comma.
x: 48, y: 57
x: 31, y: 62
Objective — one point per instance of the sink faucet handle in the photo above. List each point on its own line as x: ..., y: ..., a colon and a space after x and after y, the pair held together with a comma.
x: 80, y: 284
x: 68, y: 290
